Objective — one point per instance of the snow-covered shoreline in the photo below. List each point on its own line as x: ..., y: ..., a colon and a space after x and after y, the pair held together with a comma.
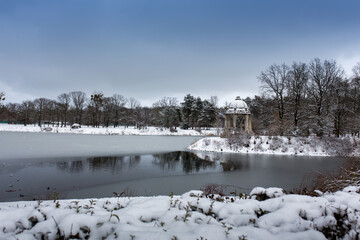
x: 267, y: 214
x: 131, y: 130
x: 302, y: 146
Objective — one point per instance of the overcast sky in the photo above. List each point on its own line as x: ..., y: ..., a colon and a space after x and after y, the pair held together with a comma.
x: 148, y: 49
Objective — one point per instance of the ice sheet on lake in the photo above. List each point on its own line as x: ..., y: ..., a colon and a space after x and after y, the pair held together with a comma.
x: 17, y: 145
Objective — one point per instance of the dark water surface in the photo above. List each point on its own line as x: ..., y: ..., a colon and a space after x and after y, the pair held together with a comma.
x: 152, y: 174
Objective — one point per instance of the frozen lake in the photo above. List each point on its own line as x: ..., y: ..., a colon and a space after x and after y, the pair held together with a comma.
x: 37, y: 165
x: 19, y: 146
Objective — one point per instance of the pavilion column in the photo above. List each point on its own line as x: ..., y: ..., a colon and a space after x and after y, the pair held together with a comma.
x: 250, y: 127
x: 241, y: 123
x: 245, y: 124
x: 248, y: 119
x: 234, y: 121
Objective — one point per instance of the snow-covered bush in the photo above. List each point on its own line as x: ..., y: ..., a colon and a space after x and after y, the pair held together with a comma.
x: 238, y: 140
x: 338, y: 146
x: 207, y: 142
x: 310, y: 146
x: 262, y: 194
x: 213, y: 188
x: 231, y: 165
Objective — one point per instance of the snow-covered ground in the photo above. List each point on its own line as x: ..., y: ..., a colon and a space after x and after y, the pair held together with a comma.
x: 267, y: 214
x: 306, y: 146
x: 109, y: 131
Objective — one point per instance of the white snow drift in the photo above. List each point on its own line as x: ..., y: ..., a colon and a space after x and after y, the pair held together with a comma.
x: 267, y: 214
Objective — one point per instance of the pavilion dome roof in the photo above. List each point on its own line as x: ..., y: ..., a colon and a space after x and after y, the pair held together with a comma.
x: 238, y: 106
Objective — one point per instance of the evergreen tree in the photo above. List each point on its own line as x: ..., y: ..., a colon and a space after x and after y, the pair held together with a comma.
x: 169, y: 117
x: 2, y: 98
x: 208, y: 114
x: 96, y: 104
x: 186, y: 110
x: 196, y: 110
x: 166, y: 112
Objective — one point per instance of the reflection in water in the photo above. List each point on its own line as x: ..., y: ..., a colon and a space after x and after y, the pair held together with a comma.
x: 71, y: 167
x: 114, y: 164
x: 168, y: 161
x: 229, y: 162
x: 154, y: 174
x: 190, y: 162
x: 234, y: 164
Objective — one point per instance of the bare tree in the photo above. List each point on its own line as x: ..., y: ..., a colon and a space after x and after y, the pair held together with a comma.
x: 214, y: 101
x: 167, y: 102
x: 322, y: 79
x: 134, y: 108
x: 79, y: 99
x: 274, y: 81
x: 133, y: 103
x: 52, y: 108
x: 355, y: 83
x: 118, y: 102
x: 296, y: 87
x: 355, y: 100
x: 64, y: 104
x: 40, y: 104
x: 356, y: 70
x: 108, y: 110
x: 340, y: 107
x: 12, y: 110
x: 26, y: 110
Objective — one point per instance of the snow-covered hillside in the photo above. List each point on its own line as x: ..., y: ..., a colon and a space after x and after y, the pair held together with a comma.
x: 110, y: 130
x: 308, y: 146
x: 267, y: 214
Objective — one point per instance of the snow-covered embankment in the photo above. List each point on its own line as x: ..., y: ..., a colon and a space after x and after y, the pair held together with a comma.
x: 306, y: 146
x: 131, y: 130
x: 266, y: 214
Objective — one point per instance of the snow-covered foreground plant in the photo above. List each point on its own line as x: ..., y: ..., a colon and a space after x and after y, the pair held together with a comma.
x: 265, y: 214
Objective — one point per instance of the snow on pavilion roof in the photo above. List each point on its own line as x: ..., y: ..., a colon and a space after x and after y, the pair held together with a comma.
x: 238, y: 107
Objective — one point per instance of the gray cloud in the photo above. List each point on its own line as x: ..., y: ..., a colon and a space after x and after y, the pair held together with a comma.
x: 147, y: 52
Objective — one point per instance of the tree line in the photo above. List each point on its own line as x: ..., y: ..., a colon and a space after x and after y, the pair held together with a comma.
x: 308, y: 98
x: 98, y: 110
x: 297, y: 99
